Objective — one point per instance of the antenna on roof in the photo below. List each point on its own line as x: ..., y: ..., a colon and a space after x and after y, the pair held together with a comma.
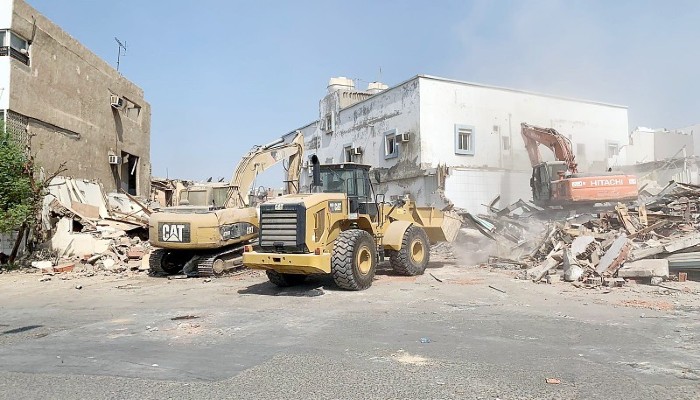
x: 122, y: 46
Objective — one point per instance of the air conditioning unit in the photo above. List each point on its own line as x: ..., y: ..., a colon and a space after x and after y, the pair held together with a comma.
x: 113, y: 159
x: 356, y: 151
x: 116, y: 102
x: 403, y: 138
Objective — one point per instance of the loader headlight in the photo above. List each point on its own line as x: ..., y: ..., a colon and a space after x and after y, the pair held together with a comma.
x: 232, y: 231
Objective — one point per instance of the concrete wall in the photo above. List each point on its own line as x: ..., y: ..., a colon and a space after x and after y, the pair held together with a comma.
x: 641, y: 148
x: 471, y: 189
x: 694, y: 131
x: 670, y: 143
x: 65, y: 92
x: 497, y: 113
x: 648, y: 145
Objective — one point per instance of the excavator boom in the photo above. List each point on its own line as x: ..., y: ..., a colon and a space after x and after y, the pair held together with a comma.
x: 259, y: 159
x: 555, y: 141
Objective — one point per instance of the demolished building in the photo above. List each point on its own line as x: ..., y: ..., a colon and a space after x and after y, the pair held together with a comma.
x: 439, y: 139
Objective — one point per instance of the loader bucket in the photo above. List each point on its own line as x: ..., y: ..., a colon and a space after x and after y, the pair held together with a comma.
x: 441, y: 226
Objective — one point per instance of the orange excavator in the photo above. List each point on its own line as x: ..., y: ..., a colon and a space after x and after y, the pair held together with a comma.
x: 559, y: 183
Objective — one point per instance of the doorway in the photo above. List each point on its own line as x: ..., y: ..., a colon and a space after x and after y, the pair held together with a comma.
x: 129, y: 173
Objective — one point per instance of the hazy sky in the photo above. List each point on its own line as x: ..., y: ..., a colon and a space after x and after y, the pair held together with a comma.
x: 222, y: 76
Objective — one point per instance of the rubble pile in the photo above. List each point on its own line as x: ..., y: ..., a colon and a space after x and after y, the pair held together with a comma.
x: 656, y: 240
x: 90, y: 232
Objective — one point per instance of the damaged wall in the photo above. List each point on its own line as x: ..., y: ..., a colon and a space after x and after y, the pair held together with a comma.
x: 64, y: 97
x: 366, y: 125
x: 647, y: 145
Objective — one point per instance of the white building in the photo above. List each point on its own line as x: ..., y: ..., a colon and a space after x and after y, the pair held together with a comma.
x: 410, y: 132
x: 648, y: 145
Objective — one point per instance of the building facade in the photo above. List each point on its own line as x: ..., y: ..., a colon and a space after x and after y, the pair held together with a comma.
x: 648, y: 145
x: 434, y: 138
x: 76, y: 108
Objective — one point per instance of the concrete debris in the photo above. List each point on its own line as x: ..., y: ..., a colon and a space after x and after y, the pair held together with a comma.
x: 86, y: 231
x: 652, y: 241
x: 645, y: 269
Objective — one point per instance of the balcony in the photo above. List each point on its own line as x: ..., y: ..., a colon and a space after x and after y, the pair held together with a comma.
x: 16, y: 54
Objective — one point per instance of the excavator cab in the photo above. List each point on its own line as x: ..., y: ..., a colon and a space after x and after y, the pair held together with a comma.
x: 543, y: 175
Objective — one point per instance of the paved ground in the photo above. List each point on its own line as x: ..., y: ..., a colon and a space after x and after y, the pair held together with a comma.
x: 116, y: 338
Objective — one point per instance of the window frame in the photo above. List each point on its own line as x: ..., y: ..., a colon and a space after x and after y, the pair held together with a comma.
x: 18, y: 37
x: 458, y: 150
x: 388, y: 135
x: 347, y: 153
x: 608, y: 145
x: 505, y: 143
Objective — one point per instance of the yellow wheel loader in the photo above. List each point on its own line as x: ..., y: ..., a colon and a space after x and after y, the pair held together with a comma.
x: 343, y: 229
x: 205, y: 236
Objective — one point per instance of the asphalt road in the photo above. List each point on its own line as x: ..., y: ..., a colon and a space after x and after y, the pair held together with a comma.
x: 403, y: 338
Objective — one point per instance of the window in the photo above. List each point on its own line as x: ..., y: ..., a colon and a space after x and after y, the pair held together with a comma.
x: 612, y: 150
x: 347, y: 153
x: 391, y: 148
x: 14, y: 46
x: 17, y: 42
x: 464, y: 139
x: 132, y: 110
x: 581, y: 150
x: 328, y: 122
x: 506, y: 142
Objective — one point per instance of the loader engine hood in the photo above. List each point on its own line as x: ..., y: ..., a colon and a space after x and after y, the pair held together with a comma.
x: 283, y: 220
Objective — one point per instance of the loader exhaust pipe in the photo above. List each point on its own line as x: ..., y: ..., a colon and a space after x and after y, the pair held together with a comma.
x: 316, y: 173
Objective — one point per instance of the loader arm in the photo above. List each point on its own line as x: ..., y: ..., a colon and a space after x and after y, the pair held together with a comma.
x: 259, y: 159
x: 555, y: 141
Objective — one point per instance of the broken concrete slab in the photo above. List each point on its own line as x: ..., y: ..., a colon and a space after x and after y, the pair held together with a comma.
x: 683, y: 243
x: 580, y: 245
x: 615, y: 256
x: 644, y: 269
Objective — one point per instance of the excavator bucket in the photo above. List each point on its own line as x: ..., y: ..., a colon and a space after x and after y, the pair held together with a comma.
x: 441, y: 226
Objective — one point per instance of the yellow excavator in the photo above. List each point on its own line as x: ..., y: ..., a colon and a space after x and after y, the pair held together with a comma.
x: 205, y: 234
x: 343, y: 229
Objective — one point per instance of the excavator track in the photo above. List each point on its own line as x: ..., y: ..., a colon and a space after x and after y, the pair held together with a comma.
x: 206, y: 267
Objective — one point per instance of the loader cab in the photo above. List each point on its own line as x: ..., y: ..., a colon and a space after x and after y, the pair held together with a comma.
x: 353, y: 180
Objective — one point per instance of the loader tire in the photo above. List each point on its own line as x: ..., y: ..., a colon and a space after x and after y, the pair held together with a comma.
x: 414, y: 255
x: 284, y: 280
x: 354, y: 260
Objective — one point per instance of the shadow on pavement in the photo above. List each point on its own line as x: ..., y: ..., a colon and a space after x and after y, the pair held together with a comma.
x: 312, y: 288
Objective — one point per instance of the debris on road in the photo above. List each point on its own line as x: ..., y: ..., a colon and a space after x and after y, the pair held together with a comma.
x: 497, y: 289
x: 553, y: 381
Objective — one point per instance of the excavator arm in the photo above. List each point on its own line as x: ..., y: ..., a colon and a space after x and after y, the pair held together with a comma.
x: 555, y: 141
x: 259, y: 159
